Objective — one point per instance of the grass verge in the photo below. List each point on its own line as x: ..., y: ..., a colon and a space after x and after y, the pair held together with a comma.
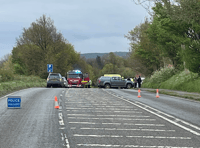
x: 21, y: 82
x: 176, y: 94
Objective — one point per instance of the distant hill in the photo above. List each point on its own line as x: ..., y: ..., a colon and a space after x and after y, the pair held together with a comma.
x: 94, y: 55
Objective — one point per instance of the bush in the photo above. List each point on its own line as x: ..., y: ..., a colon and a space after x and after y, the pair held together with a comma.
x: 181, y: 81
x: 159, y: 76
x: 6, y: 75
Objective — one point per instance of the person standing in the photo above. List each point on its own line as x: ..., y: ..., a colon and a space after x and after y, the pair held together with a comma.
x: 135, y: 82
x: 139, y: 82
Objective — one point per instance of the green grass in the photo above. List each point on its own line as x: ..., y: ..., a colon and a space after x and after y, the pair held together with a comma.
x: 183, y: 81
x: 21, y: 82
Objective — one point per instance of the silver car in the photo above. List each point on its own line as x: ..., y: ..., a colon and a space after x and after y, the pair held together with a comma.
x: 65, y: 82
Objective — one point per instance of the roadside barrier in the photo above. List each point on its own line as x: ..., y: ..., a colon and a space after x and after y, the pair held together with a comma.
x: 157, y: 94
x: 56, y: 103
x: 139, y: 93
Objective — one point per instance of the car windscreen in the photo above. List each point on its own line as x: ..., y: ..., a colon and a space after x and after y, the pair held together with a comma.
x: 74, y: 76
x: 54, y: 76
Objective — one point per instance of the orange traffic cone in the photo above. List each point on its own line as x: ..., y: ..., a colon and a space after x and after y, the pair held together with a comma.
x: 56, y: 103
x: 139, y: 93
x: 157, y: 94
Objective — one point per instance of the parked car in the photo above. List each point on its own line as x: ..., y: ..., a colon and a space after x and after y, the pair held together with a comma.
x: 65, y: 82
x: 108, y: 82
x: 55, y: 79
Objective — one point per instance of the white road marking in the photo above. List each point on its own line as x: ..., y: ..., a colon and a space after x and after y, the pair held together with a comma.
x: 62, y: 128
x: 173, y: 122
x: 137, y: 146
x: 112, y: 118
x: 61, y: 122
x: 94, y: 123
x: 100, y: 109
x: 117, y: 129
x: 84, y: 123
x: 105, y: 111
x: 108, y: 115
x: 145, y: 137
x: 115, y: 136
x: 144, y: 124
x: 159, y: 137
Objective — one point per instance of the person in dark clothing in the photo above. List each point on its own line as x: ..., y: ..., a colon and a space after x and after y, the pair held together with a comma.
x: 135, y: 82
x: 139, y: 82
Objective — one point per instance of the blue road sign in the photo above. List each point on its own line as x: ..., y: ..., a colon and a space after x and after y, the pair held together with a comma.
x: 49, y: 67
x: 14, y: 102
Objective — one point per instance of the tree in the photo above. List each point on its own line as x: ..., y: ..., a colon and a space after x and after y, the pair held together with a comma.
x: 167, y: 34
x: 99, y: 62
x: 145, y: 55
x: 177, y: 24
x: 40, y: 45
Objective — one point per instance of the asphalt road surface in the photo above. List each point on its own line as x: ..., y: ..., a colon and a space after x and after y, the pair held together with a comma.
x: 98, y: 118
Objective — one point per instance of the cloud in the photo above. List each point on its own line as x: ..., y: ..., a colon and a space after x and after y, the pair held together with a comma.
x: 90, y: 25
x: 101, y: 45
x: 5, y: 49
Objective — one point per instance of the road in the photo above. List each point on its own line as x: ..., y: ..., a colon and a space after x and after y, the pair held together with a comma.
x: 98, y: 118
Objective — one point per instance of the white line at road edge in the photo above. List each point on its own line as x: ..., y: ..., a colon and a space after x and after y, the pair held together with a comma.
x: 181, y: 126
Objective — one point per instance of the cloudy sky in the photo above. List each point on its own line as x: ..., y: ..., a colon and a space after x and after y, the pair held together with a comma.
x: 90, y: 25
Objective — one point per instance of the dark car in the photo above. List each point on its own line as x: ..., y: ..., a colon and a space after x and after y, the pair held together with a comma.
x: 55, y: 79
x: 108, y: 82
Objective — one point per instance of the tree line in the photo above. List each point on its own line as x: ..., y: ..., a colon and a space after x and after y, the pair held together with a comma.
x: 42, y: 44
x: 170, y: 37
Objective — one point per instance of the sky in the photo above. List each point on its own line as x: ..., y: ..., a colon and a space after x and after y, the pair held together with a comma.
x: 92, y: 26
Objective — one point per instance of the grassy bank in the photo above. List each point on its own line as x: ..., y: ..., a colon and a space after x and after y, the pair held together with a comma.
x: 183, y: 81
x: 21, y: 82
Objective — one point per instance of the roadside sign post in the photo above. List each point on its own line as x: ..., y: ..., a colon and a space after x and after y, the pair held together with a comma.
x: 49, y: 67
x: 14, y: 102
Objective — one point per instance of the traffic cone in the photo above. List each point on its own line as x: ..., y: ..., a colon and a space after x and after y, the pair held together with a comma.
x: 157, y: 94
x: 56, y: 103
x: 139, y: 93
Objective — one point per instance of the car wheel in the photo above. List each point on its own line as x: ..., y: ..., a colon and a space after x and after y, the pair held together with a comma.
x: 128, y: 86
x: 107, y: 86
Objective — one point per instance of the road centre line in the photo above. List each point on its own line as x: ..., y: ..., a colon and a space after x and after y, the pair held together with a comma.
x: 118, y: 129
x: 175, y: 123
x: 112, y: 118
x: 144, y: 137
x: 137, y: 146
